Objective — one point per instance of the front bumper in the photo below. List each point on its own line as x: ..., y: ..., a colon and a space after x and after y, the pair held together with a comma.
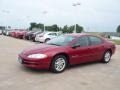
x: 36, y: 64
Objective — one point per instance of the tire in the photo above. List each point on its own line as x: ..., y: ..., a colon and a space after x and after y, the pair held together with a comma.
x: 33, y: 40
x: 106, y: 57
x: 29, y: 38
x: 47, y: 40
x: 58, y: 64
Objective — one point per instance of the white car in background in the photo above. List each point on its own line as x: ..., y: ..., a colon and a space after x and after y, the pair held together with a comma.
x: 46, y: 36
x: 8, y: 32
x: 0, y: 32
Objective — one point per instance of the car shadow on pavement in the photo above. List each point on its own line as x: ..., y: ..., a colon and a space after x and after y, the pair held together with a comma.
x: 71, y: 67
x: 31, y: 70
x: 82, y: 65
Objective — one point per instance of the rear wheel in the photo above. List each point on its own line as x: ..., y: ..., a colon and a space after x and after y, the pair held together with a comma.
x: 106, y: 57
x: 47, y: 40
x: 58, y: 64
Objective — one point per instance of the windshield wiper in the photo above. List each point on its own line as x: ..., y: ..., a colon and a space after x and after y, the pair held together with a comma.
x: 54, y: 44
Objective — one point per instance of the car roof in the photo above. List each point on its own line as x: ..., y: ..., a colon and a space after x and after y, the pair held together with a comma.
x: 78, y: 34
x: 84, y: 34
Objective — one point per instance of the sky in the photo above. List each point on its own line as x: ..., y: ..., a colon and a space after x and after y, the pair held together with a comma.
x: 93, y: 15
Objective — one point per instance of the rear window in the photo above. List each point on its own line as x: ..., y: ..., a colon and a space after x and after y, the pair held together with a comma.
x: 54, y: 34
x: 95, y: 40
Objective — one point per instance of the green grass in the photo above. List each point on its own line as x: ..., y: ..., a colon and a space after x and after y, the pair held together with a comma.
x: 94, y: 33
x: 116, y: 41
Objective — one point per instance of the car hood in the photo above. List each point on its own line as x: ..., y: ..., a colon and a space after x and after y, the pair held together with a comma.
x: 41, y: 48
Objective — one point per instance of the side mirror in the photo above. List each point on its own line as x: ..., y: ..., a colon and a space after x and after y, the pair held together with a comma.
x: 75, y: 46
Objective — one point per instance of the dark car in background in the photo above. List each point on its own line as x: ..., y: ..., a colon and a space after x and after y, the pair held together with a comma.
x: 33, y: 35
x: 28, y: 35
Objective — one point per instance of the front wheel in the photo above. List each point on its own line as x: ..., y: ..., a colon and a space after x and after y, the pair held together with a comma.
x: 106, y: 57
x: 59, y: 64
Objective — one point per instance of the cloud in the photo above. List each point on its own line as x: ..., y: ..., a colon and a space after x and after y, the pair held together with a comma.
x: 97, y: 15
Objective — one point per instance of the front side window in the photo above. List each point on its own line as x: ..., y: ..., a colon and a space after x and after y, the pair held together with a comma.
x: 95, y: 40
x: 61, y: 40
x: 82, y: 42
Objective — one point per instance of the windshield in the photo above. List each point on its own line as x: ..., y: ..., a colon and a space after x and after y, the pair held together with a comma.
x: 61, y: 40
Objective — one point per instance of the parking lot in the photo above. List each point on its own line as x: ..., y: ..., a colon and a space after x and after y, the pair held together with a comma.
x: 92, y: 76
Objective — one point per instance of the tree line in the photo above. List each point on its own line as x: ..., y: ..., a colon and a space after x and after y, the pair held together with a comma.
x: 118, y: 29
x: 55, y: 27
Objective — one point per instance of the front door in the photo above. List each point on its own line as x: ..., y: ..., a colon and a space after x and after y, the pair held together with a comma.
x: 81, y: 53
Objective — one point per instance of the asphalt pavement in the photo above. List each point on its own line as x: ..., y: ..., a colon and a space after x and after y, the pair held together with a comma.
x: 91, y: 76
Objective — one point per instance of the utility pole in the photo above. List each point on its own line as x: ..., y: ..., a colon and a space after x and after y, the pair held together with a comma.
x: 76, y: 5
x: 44, y: 13
x: 6, y: 12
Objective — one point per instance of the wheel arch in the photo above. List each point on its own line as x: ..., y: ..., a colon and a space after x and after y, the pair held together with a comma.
x: 47, y: 39
x: 103, y: 59
x: 109, y: 49
x: 62, y: 53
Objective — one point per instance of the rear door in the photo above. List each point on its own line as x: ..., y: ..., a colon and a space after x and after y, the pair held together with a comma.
x: 96, y: 47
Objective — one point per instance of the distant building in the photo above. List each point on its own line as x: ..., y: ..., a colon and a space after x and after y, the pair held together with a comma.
x: 111, y: 35
x: 2, y: 28
x: 115, y: 38
x: 108, y: 34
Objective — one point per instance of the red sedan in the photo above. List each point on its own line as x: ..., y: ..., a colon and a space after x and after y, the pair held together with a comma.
x: 20, y: 34
x: 13, y: 33
x: 66, y: 50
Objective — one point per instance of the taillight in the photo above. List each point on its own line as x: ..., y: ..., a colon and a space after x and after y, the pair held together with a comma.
x: 113, y: 47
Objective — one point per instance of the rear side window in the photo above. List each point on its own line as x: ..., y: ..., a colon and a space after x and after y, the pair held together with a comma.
x: 83, y: 41
x: 54, y: 34
x: 58, y: 34
x: 95, y: 40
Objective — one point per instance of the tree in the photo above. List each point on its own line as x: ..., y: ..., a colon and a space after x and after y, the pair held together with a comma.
x: 79, y: 29
x: 65, y: 28
x: 40, y: 26
x: 118, y: 29
x: 35, y: 25
x: 55, y: 28
x: 70, y: 29
x: 48, y: 28
x: 32, y: 25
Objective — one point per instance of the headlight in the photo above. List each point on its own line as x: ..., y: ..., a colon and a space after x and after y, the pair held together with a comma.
x: 37, y: 56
